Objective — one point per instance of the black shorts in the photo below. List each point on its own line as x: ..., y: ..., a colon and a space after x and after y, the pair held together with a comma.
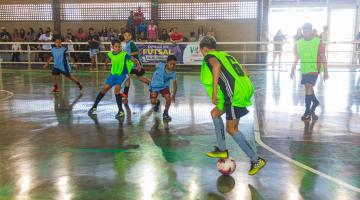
x: 309, y: 79
x: 233, y: 112
x: 138, y: 73
x: 57, y: 71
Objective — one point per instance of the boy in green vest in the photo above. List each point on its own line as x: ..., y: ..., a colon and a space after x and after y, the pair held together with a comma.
x: 311, y: 53
x: 121, y: 64
x: 230, y: 89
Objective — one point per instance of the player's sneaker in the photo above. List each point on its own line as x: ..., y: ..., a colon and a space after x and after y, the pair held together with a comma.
x: 55, y: 90
x: 157, y: 106
x: 120, y: 115
x: 306, y: 116
x: 256, y: 167
x: 92, y: 111
x: 125, y: 98
x: 217, y: 153
x: 166, y: 117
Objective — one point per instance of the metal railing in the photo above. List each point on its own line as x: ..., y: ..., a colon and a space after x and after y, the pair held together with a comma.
x: 245, y: 51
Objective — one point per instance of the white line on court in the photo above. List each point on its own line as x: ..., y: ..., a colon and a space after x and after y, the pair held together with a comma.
x: 265, y: 146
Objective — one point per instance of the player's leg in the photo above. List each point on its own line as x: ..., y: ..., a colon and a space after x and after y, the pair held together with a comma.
x: 220, y: 150
x: 125, y: 94
x: 118, y: 97
x: 233, y: 115
x: 56, y: 76
x: 110, y: 82
x: 166, y: 94
x: 154, y: 100
x: 140, y: 76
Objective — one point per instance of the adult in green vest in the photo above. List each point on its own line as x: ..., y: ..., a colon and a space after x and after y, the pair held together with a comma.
x: 121, y: 65
x: 230, y: 89
x: 311, y: 53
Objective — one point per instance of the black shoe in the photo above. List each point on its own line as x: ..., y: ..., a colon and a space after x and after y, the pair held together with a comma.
x: 157, y: 106
x: 166, y: 117
x: 306, y: 116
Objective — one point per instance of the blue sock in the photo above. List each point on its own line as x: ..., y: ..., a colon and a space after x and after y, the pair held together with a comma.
x: 220, y: 133
x: 245, y: 146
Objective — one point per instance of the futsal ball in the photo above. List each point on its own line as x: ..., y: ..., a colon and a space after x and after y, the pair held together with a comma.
x: 226, y: 166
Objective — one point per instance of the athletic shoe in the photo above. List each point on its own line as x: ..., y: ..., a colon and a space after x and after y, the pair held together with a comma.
x: 120, y: 115
x: 166, y: 117
x: 55, y: 90
x: 306, y: 116
x: 256, y: 167
x: 217, y: 153
x: 92, y: 111
x: 157, y: 106
x: 314, y: 117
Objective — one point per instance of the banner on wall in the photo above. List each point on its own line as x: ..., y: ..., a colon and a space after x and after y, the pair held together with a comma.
x: 154, y: 53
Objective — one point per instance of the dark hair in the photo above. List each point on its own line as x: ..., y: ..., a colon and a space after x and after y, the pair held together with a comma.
x: 171, y: 57
x: 307, y: 26
x: 91, y: 29
x: 58, y: 38
x: 115, y: 41
x: 208, y: 42
x: 127, y: 31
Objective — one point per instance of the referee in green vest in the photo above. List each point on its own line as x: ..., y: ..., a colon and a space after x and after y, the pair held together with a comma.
x: 230, y: 89
x: 311, y: 52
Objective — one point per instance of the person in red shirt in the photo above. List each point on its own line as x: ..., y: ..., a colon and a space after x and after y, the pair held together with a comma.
x: 138, y: 18
x: 176, y: 36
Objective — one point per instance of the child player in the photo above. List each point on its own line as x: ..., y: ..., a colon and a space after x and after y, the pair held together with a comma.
x: 311, y: 53
x: 230, y: 89
x: 61, y: 65
x: 121, y: 64
x: 160, y: 83
x: 132, y: 50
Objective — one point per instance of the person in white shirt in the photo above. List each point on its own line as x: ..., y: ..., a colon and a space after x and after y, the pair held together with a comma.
x: 46, y: 37
x: 16, y: 47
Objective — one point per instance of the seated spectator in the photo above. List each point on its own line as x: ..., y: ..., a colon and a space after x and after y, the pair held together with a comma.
x: 164, y: 36
x: 30, y: 35
x: 80, y: 35
x: 39, y: 33
x: 142, y: 37
x: 15, y: 35
x: 5, y: 37
x: 70, y: 34
x: 176, y: 36
x: 192, y: 37
x: 152, y: 31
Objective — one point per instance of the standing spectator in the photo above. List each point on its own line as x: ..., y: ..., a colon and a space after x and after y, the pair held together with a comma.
x: 30, y: 35
x: 152, y: 31
x: 5, y: 37
x: 192, y: 37
x: 81, y: 37
x: 46, y: 37
x: 94, y: 43
x: 164, y: 35
x: 278, y: 45
x: 298, y: 35
x: 16, y: 47
x: 22, y: 38
x: 39, y: 33
x: 130, y: 24
x: 15, y: 35
x: 201, y: 33
x: 138, y: 19
x: 176, y: 36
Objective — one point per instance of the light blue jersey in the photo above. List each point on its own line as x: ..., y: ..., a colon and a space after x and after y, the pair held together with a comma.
x: 161, y: 78
x: 60, y: 59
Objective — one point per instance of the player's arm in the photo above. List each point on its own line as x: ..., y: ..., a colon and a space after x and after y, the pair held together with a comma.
x: 174, y: 90
x: 216, y: 67
x: 296, y: 60
x: 134, y: 50
x: 48, y: 62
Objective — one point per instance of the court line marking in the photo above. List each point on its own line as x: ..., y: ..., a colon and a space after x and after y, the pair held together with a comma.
x: 10, y: 95
x: 283, y: 156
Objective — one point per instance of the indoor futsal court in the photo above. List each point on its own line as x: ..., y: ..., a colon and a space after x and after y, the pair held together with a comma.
x: 180, y: 100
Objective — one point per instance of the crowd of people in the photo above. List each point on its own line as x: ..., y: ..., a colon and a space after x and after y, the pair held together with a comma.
x: 142, y: 31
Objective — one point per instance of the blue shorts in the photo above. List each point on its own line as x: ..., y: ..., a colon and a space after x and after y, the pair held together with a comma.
x: 309, y: 79
x: 57, y: 71
x: 93, y: 52
x: 116, y: 79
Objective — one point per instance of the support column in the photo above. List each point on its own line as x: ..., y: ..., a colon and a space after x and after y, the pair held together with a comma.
x: 262, y: 21
x: 55, y: 4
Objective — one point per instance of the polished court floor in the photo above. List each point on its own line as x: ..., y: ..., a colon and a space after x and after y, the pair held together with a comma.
x: 51, y: 149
